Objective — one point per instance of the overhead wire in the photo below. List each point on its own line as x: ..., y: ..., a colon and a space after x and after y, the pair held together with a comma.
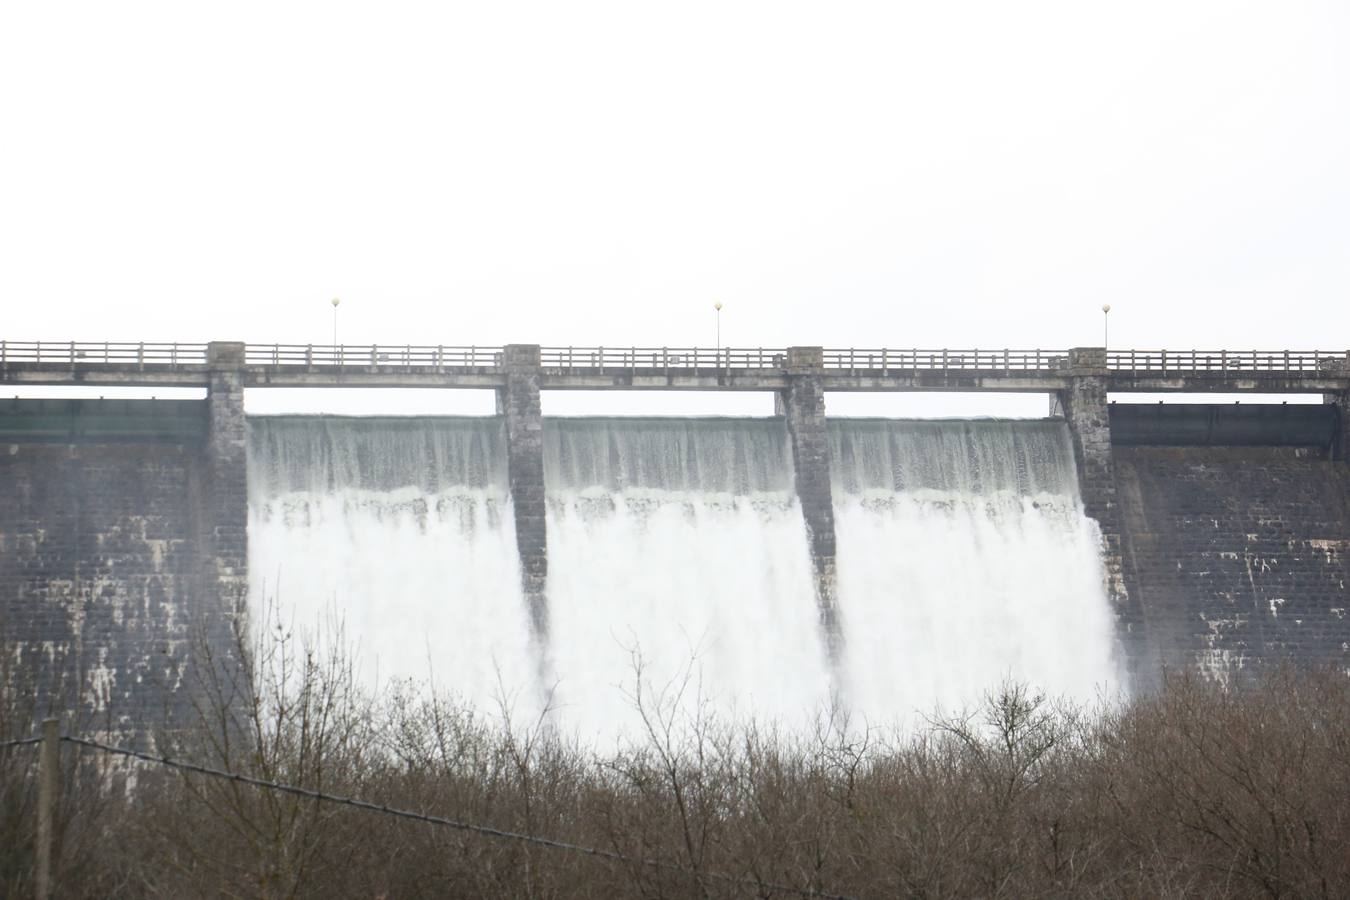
x: 484, y: 830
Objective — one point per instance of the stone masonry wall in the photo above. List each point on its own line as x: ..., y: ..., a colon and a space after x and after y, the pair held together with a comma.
x: 98, y: 571
x: 519, y: 403
x: 1085, y: 408
x: 1239, y: 555
x: 803, y: 404
x: 1341, y: 446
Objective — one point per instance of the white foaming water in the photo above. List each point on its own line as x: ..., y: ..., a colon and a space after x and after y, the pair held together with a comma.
x: 678, y: 542
x: 401, y: 530
x: 964, y: 558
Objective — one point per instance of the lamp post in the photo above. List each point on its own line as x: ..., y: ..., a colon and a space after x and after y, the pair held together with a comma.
x: 1106, y: 325
x: 718, y: 306
x: 335, y: 302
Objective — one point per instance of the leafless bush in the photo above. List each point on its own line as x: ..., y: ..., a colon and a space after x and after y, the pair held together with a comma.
x: 1197, y: 791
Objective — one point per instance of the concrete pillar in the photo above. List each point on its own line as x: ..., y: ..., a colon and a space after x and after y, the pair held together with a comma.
x: 1340, y: 447
x: 220, y: 503
x: 519, y: 403
x: 1087, y: 410
x: 225, y: 494
x: 803, y: 405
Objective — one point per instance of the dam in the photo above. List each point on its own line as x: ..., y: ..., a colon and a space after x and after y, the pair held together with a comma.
x: 769, y: 566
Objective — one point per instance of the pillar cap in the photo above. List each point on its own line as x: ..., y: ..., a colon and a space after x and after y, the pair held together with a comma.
x: 1087, y: 361
x: 225, y: 354
x: 805, y: 360
x: 521, y: 356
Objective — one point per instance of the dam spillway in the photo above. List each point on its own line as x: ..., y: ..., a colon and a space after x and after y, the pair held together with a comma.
x: 678, y: 545
x: 125, y: 542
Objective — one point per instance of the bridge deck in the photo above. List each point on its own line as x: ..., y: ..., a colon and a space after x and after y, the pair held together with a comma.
x: 666, y: 368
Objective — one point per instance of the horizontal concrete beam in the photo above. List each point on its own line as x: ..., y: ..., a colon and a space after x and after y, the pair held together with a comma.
x: 197, y: 376
x: 257, y: 376
x: 1225, y: 384
x: 647, y: 378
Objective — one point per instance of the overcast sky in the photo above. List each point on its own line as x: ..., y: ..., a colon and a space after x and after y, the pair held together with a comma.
x: 906, y: 174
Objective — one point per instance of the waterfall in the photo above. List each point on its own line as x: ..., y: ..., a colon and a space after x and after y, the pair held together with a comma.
x: 677, y: 552
x: 679, y: 542
x: 401, y: 529
x: 965, y: 558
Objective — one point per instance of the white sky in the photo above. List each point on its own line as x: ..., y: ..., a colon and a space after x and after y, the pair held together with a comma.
x: 907, y: 174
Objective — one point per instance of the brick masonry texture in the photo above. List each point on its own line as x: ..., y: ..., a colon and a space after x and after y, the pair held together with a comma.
x: 803, y: 404
x: 1085, y: 407
x: 1239, y: 555
x: 98, y: 574
x: 519, y: 403
x: 1341, y: 402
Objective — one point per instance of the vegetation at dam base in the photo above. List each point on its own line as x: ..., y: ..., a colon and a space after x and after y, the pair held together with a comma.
x: 1198, y: 790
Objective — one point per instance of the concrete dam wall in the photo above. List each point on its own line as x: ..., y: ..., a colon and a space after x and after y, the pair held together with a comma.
x: 794, y: 560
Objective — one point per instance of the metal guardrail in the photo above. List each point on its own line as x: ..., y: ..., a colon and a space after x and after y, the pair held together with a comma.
x: 364, y: 355
x: 885, y: 360
x: 1185, y: 362
x: 107, y: 353
x: 661, y: 358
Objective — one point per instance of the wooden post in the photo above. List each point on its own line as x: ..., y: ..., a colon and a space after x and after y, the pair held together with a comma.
x: 49, y: 761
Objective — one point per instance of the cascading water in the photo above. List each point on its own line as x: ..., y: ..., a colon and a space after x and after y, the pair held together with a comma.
x: 401, y: 530
x: 678, y: 542
x: 677, y: 545
x: 965, y: 558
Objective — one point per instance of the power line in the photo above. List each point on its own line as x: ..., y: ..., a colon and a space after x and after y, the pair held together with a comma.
x: 485, y: 830
x: 4, y: 745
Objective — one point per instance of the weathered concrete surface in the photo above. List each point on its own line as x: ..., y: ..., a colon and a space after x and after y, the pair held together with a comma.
x: 803, y: 404
x: 1084, y: 405
x: 519, y: 403
x: 224, y: 506
x: 1241, y: 555
x: 123, y: 549
x: 99, y: 575
x: 1340, y: 402
x: 1224, y: 425
x: 68, y: 421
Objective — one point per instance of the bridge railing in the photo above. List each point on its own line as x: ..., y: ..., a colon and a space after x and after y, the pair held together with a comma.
x: 886, y: 360
x: 1294, y: 362
x: 367, y: 355
x: 106, y: 353
x: 660, y: 358
x: 172, y: 356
